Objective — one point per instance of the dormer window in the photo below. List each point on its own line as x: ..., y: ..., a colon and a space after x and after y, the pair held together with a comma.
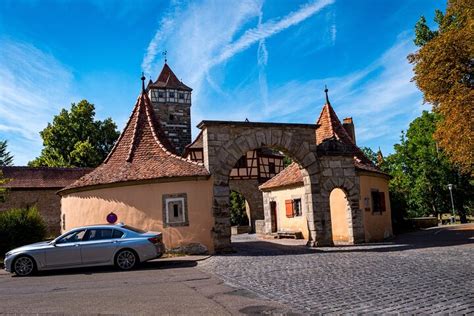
x: 181, y: 96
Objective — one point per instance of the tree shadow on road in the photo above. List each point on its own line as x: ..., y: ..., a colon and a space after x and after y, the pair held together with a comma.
x: 429, y: 238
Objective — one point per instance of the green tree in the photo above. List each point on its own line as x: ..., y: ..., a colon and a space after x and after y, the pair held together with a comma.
x: 421, y: 172
x: 443, y: 68
x: 6, y: 159
x: 369, y: 153
x: 75, y: 139
x: 3, y: 189
x: 238, y: 215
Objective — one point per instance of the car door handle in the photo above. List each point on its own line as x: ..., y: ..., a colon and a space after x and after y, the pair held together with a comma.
x: 76, y: 245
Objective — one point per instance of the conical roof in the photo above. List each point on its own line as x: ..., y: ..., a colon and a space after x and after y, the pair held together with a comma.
x: 167, y: 79
x: 330, y: 127
x: 141, y: 153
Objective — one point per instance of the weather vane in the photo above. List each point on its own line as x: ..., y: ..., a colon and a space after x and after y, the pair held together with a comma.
x: 165, y: 53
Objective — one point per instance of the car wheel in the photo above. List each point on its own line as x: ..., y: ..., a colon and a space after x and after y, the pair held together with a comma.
x: 24, y: 266
x: 126, y: 259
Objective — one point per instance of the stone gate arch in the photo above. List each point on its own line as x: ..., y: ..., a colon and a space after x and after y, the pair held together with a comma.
x: 340, y: 175
x: 225, y: 142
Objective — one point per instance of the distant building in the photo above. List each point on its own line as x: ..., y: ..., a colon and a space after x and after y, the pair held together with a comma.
x: 30, y: 186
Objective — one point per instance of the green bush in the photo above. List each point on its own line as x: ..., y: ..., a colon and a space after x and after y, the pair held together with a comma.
x: 238, y: 215
x: 20, y: 227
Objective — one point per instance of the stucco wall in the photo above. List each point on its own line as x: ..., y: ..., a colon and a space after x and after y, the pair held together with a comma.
x: 297, y: 223
x: 141, y: 206
x: 340, y: 211
x: 47, y: 202
x: 377, y: 226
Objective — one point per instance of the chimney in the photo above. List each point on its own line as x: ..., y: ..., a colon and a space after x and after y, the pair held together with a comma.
x: 348, y: 125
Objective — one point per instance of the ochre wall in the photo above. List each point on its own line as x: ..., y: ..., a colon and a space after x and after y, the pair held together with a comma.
x: 47, y: 202
x: 297, y: 223
x: 141, y: 206
x: 377, y: 226
x: 339, y: 215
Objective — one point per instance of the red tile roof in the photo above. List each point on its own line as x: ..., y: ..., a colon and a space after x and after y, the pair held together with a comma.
x: 41, y: 177
x: 291, y: 175
x: 330, y: 127
x: 142, y: 152
x: 167, y: 79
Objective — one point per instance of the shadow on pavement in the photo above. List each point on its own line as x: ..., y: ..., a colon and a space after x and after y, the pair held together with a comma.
x: 150, y: 265
x: 429, y: 238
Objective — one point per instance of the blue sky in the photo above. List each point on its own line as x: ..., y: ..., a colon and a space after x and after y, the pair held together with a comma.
x: 261, y: 60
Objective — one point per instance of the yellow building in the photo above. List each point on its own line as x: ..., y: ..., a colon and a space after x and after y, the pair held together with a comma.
x: 285, y: 193
x: 146, y: 185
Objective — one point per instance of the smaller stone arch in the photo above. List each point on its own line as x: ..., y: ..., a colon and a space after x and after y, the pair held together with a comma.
x: 349, y: 184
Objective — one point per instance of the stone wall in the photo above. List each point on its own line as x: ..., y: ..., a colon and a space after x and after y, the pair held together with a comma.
x: 175, y: 119
x: 47, y: 202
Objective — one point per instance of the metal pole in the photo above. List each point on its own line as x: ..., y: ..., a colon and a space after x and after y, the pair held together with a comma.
x: 450, y: 187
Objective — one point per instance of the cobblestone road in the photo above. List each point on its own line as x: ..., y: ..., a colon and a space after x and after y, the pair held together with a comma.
x: 424, y: 272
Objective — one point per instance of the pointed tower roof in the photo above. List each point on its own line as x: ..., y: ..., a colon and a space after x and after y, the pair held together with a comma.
x: 142, y: 153
x: 167, y: 79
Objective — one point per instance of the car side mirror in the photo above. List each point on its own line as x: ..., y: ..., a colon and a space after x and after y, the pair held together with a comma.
x: 53, y: 243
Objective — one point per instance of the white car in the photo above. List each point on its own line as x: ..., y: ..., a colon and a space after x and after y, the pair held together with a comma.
x: 98, y: 245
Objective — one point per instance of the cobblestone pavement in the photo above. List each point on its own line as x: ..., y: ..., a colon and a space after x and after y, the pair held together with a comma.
x: 424, y: 272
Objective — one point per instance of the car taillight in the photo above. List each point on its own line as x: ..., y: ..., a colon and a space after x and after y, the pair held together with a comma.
x: 155, y: 240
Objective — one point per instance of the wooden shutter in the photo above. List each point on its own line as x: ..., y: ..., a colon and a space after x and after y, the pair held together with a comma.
x: 382, y: 201
x: 289, y: 208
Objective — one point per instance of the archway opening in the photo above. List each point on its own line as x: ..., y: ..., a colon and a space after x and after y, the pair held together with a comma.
x: 340, y: 216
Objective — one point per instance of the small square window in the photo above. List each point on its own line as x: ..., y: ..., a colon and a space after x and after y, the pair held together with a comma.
x: 297, y: 207
x: 181, y: 96
x: 161, y: 95
x: 175, y: 212
x: 378, y: 201
x: 171, y: 95
x: 171, y: 117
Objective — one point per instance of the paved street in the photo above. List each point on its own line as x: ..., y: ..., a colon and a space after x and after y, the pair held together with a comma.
x: 424, y: 272
x: 159, y: 287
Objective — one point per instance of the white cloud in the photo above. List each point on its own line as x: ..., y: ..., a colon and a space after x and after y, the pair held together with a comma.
x: 33, y: 87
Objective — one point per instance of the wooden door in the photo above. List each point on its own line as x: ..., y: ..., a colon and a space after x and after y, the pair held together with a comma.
x: 273, y: 215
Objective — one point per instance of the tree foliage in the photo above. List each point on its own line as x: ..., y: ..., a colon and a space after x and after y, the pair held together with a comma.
x: 75, y: 139
x: 238, y: 214
x: 3, y: 189
x: 443, y: 68
x: 421, y: 173
x: 6, y: 159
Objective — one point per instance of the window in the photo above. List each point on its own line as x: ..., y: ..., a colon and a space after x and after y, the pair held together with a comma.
x: 171, y: 117
x: 271, y: 167
x: 378, y: 201
x: 297, y: 207
x: 242, y: 162
x: 133, y: 229
x: 161, y: 95
x: 98, y: 234
x: 171, y: 95
x: 75, y: 236
x: 181, y: 96
x: 175, y: 210
x: 117, y: 234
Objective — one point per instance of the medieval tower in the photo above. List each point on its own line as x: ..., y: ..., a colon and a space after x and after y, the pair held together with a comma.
x: 171, y: 101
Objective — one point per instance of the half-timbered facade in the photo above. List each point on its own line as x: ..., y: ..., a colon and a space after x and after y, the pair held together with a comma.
x: 261, y: 164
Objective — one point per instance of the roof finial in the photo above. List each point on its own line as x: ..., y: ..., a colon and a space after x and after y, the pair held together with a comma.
x: 326, y: 91
x: 165, y: 53
x: 143, y: 82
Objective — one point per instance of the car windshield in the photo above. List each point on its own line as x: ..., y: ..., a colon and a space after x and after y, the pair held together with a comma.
x: 133, y: 229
